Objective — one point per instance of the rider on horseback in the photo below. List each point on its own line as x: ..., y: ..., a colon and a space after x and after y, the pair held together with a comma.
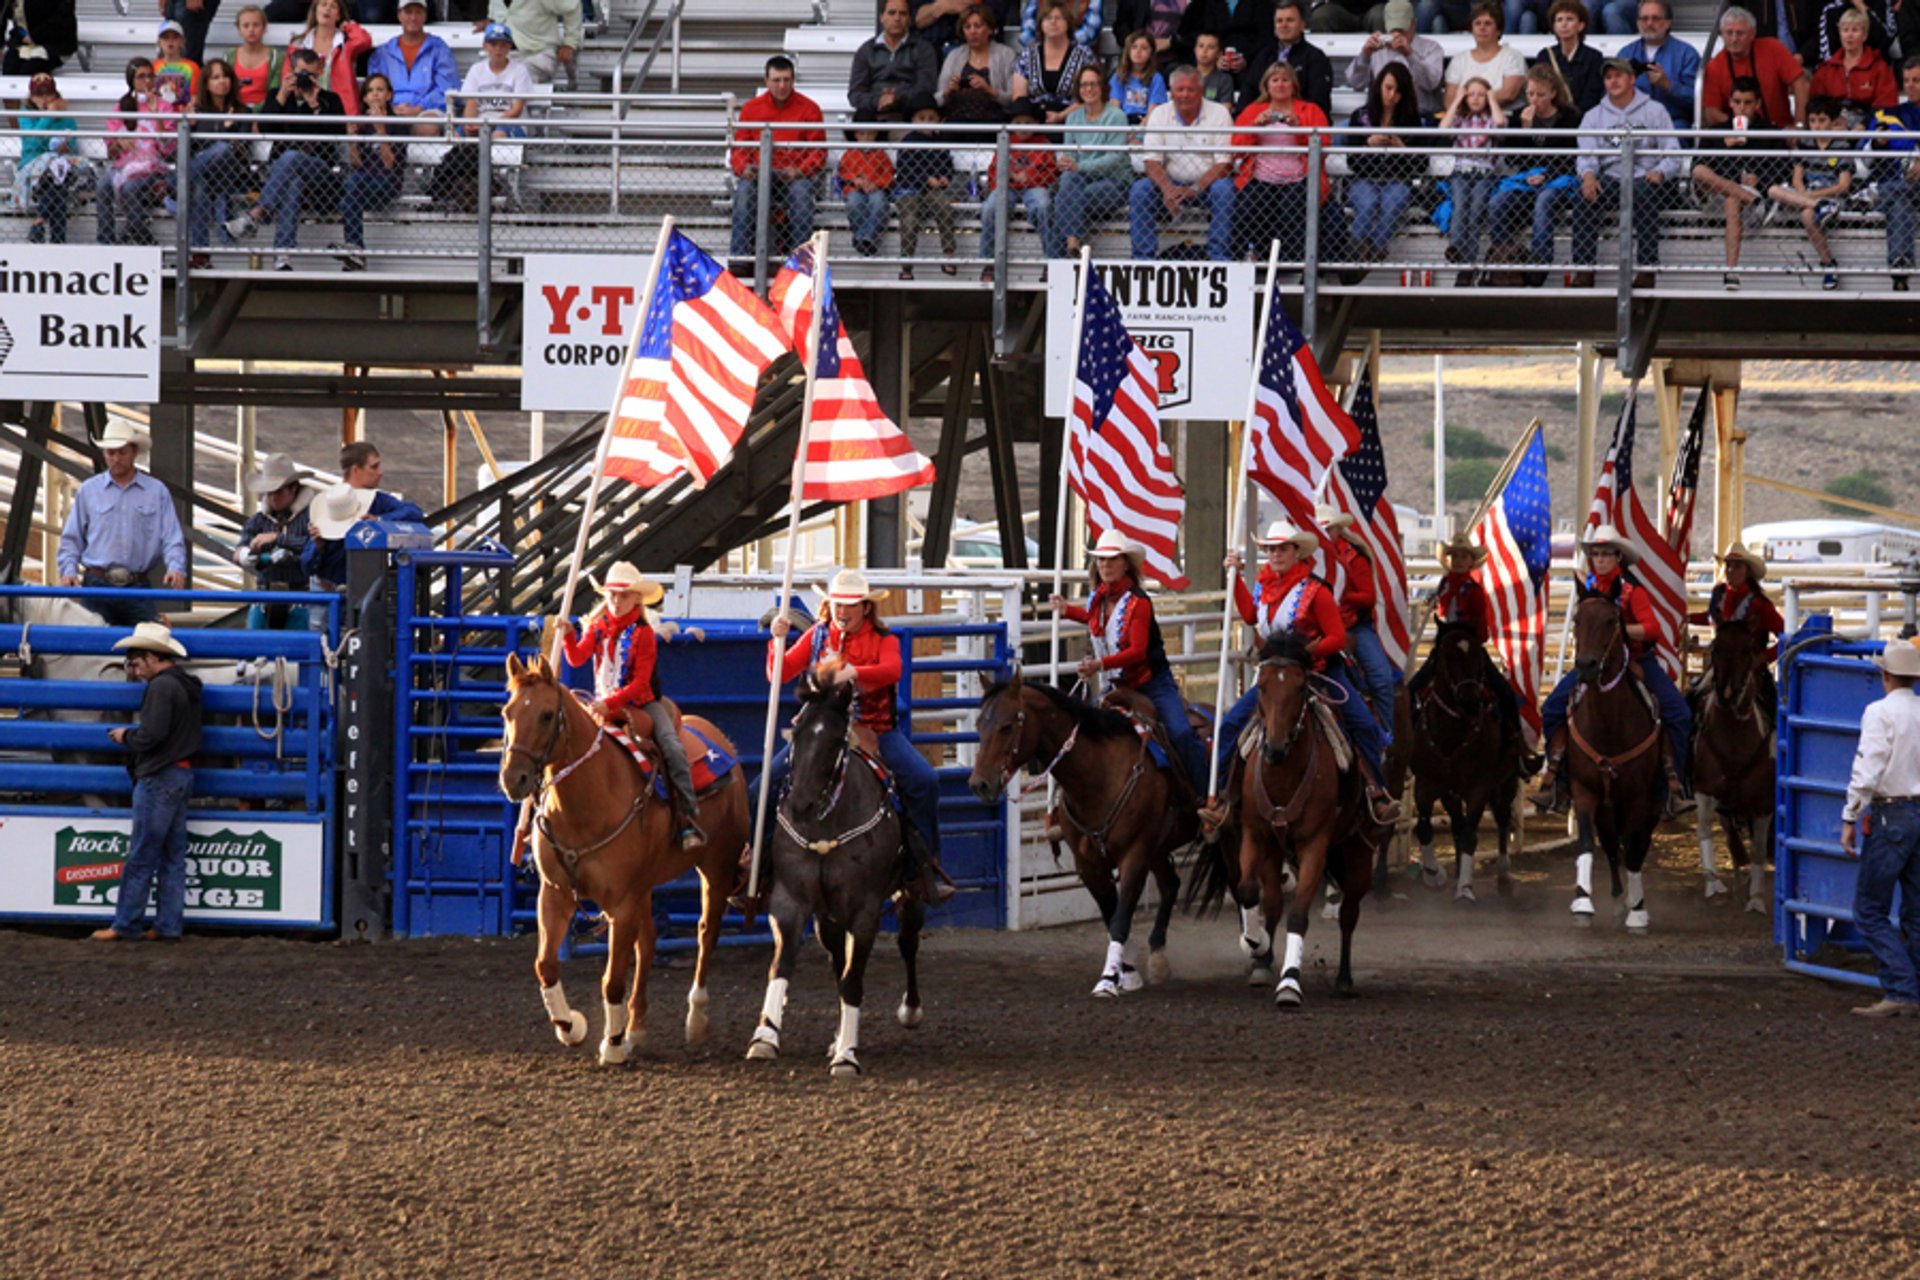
x: 620, y: 643
x: 1738, y: 597
x: 1609, y: 556
x: 1462, y: 601
x: 1293, y: 598
x: 1356, y: 612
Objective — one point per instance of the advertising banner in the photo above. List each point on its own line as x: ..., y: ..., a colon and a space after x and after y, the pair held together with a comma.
x: 576, y: 315
x: 1195, y: 319
x: 79, y: 322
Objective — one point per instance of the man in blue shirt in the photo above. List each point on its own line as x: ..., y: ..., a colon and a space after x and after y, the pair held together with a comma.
x: 122, y: 525
x: 1672, y: 66
x: 1898, y: 186
x: 337, y: 509
x: 420, y: 66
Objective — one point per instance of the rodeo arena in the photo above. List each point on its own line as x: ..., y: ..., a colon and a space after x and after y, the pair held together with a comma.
x: 525, y: 523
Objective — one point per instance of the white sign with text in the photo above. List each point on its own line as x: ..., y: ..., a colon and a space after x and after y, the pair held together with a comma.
x: 1195, y: 319
x: 576, y: 314
x: 80, y: 322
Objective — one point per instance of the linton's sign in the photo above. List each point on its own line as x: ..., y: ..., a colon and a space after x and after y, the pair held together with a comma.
x: 79, y: 323
x: 1194, y: 319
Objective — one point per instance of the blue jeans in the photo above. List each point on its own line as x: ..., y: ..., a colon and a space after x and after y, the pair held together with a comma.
x: 1377, y: 209
x: 1674, y: 713
x: 196, y: 25
x: 1507, y: 213
x: 118, y: 613
x: 1899, y: 200
x: 1078, y: 198
x: 866, y: 215
x: 1438, y: 17
x: 1889, y: 859
x: 158, y: 850
x: 1529, y: 17
x: 1146, y: 211
x: 1360, y: 726
x: 1380, y: 676
x: 797, y: 196
x: 1546, y: 206
x: 1648, y: 201
x: 128, y: 202
x: 913, y: 778
x: 280, y: 196
x: 50, y: 201
x: 366, y: 189
x: 1038, y: 202
x: 219, y: 170
x: 1164, y: 692
x: 1469, y: 193
x: 1619, y: 17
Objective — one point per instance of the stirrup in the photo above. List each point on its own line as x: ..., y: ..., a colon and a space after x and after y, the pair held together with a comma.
x: 1384, y: 808
x: 692, y: 837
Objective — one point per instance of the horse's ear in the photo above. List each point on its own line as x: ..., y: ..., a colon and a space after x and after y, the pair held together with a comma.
x: 514, y: 666
x: 1018, y: 678
x: 543, y: 668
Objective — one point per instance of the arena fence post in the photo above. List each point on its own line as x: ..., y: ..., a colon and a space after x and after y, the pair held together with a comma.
x: 1623, y: 290
x: 1310, y: 287
x: 1002, y: 223
x: 182, y: 229
x: 763, y: 211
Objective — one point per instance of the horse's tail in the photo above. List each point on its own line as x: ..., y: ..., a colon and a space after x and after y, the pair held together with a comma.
x: 1214, y: 874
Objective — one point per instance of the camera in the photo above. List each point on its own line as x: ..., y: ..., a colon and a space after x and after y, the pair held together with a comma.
x: 303, y: 80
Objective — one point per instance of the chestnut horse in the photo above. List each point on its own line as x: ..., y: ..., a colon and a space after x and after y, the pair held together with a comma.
x: 1461, y: 758
x: 601, y: 836
x: 1733, y: 761
x: 1613, y: 762
x: 1121, y: 813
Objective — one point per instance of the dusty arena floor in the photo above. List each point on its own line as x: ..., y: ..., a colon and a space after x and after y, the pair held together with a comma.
x: 1508, y: 1096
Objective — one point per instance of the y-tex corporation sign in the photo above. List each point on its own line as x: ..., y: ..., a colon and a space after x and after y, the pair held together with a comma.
x: 79, y: 322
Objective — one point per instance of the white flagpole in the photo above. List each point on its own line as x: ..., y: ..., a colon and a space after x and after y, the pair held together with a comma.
x: 1060, y: 510
x: 1236, y: 511
x: 811, y: 358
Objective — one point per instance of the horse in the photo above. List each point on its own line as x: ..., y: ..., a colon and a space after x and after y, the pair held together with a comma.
x: 1461, y: 759
x: 1614, y: 765
x: 1323, y: 823
x: 841, y: 871
x: 1120, y: 814
x: 1733, y: 761
x: 600, y: 835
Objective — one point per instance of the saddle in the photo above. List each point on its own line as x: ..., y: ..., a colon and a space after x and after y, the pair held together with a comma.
x: 1336, y: 735
x: 709, y: 761
x: 1138, y: 708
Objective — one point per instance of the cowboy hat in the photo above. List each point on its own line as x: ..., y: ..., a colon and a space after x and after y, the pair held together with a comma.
x: 1608, y: 536
x: 1330, y: 517
x: 338, y: 508
x: 1900, y: 658
x: 1443, y: 551
x: 119, y: 434
x: 1115, y: 543
x: 276, y: 471
x: 624, y: 577
x: 1280, y: 531
x: 849, y: 586
x: 1756, y: 564
x: 153, y: 637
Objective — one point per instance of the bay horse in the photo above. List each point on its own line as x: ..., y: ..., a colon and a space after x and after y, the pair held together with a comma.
x: 1122, y: 815
x: 1733, y: 761
x: 836, y: 852
x: 601, y: 835
x: 1320, y: 826
x: 1613, y: 761
x: 1461, y: 758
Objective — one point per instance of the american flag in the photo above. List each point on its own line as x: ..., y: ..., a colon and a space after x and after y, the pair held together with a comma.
x: 1116, y: 460
x: 1359, y: 488
x: 1299, y: 429
x: 1685, y: 485
x: 685, y: 398
x: 1518, y: 530
x: 1662, y: 570
x: 853, y: 450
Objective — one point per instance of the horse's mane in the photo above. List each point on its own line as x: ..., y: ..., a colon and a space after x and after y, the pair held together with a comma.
x: 1286, y: 647
x: 1091, y: 718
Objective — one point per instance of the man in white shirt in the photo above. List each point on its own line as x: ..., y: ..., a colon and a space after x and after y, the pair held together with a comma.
x: 495, y: 87
x: 1886, y: 787
x: 1187, y: 157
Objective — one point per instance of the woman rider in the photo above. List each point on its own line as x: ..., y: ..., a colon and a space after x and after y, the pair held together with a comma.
x: 1357, y: 602
x: 1738, y: 597
x: 1461, y: 601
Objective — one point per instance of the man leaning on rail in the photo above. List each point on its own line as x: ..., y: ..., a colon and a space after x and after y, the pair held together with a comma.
x: 121, y: 528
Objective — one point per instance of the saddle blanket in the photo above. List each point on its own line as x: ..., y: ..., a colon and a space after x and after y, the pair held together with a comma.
x: 1253, y: 736
x: 709, y: 761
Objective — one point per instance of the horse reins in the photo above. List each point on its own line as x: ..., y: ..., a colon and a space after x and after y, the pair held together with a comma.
x: 848, y: 748
x: 570, y: 855
x: 1099, y: 836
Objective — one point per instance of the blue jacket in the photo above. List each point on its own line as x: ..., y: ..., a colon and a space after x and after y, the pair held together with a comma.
x: 1681, y: 62
x: 424, y: 84
x: 326, y: 558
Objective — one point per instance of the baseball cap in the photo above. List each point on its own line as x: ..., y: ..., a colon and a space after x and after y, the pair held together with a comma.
x: 411, y: 4
x: 1618, y: 64
x: 170, y: 26
x: 1399, y: 15
x: 497, y: 31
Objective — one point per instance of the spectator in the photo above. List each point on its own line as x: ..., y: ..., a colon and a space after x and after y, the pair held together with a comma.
x: 1290, y: 45
x: 420, y: 68
x: 1670, y: 67
x: 40, y: 36
x: 1474, y: 117
x: 1783, y: 81
x: 1856, y: 75
x: 1159, y: 19
x: 1380, y: 178
x: 1186, y: 159
x: 894, y: 71
x: 255, y: 65
x: 1882, y: 787
x: 140, y: 147
x: 296, y: 162
x: 799, y: 157
x: 273, y: 538
x: 339, y: 43
x: 1136, y: 87
x: 1346, y: 16
x: 547, y: 32
x: 1093, y: 181
x: 51, y: 167
x: 121, y: 528
x: 1545, y: 145
x: 1570, y: 57
x: 1032, y: 173
x: 923, y: 189
x: 1822, y: 179
x: 1421, y: 54
x: 1242, y: 25
x: 195, y: 19
x: 866, y: 184
x: 174, y: 73
x: 1656, y: 163
x: 496, y: 88
x: 1727, y: 168
x: 1215, y: 84
x: 976, y: 80
x: 1500, y: 65
x: 1877, y: 14
x: 223, y: 132
x: 1273, y: 193
x: 1897, y: 130
x: 938, y: 21
x: 1083, y: 16
x: 159, y: 747
x: 1043, y: 74
x: 376, y: 166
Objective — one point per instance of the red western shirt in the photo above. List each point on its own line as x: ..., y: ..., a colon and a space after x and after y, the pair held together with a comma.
x: 1317, y: 621
x: 875, y: 659
x: 1361, y: 594
x: 602, y: 641
x: 1462, y: 599
x: 1636, y: 609
x: 1129, y: 656
x: 1744, y: 602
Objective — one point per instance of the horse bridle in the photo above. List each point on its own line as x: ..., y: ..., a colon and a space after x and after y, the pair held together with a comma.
x: 1615, y: 641
x: 570, y: 855
x: 1034, y: 780
x: 827, y: 845
x: 1299, y: 720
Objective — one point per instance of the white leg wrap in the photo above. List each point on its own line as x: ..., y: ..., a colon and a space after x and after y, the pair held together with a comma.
x: 775, y: 1004
x: 1428, y: 860
x: 1253, y: 931
x: 1583, y: 874
x: 616, y: 1023
x: 1465, y: 864
x: 555, y: 998
x: 1296, y: 944
x: 1116, y: 956
x: 848, y: 1041
x: 1636, y: 889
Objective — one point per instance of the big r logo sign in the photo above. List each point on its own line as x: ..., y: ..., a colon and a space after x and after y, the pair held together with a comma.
x: 80, y: 322
x: 1193, y: 319
x: 579, y: 309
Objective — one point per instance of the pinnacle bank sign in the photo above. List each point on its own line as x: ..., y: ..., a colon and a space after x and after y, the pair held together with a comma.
x: 79, y: 322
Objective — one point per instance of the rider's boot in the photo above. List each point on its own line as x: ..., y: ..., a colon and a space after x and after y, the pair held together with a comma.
x: 1385, y: 809
x: 1554, y: 793
x: 686, y: 811
x: 1679, y: 799
x: 925, y: 876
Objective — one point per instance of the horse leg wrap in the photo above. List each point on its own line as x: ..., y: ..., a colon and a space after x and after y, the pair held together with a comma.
x: 1296, y: 946
x: 1583, y: 875
x: 775, y: 1005
x: 1637, y: 917
x: 1116, y: 959
x: 569, y: 1025
x: 1287, y: 994
x: 616, y: 1019
x: 1253, y: 931
x: 1464, y: 880
x: 847, y: 1042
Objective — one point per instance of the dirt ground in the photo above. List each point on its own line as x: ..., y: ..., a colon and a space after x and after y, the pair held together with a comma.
x: 1508, y: 1096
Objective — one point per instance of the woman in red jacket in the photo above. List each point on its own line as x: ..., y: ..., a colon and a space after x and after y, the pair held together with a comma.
x: 341, y: 43
x: 1461, y: 601
x: 1273, y: 184
x: 1737, y: 597
x: 1379, y: 678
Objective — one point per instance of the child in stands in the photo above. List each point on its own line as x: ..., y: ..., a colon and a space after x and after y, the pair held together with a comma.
x: 1137, y: 88
x: 866, y: 184
x: 1474, y: 117
x: 1822, y: 177
x: 1034, y: 171
x: 923, y: 189
x: 1216, y: 85
x: 1727, y: 168
x: 256, y: 65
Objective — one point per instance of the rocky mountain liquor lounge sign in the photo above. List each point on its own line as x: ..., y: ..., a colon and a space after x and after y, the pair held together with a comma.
x: 79, y: 322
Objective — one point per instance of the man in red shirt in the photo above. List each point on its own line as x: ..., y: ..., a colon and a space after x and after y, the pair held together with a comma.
x: 796, y: 166
x: 1784, y: 83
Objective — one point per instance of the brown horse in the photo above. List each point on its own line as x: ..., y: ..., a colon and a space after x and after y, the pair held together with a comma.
x: 1733, y: 761
x: 1119, y: 811
x: 601, y: 836
x: 1462, y: 759
x: 1614, y: 762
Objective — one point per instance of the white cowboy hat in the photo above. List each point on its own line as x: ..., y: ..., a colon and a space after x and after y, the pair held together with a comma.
x: 275, y: 470
x: 1608, y: 536
x: 849, y: 586
x: 624, y: 577
x: 1756, y: 564
x: 1330, y: 517
x: 1115, y: 543
x: 1900, y: 658
x: 338, y: 508
x: 1443, y: 551
x: 154, y: 637
x: 1280, y: 531
x: 120, y: 433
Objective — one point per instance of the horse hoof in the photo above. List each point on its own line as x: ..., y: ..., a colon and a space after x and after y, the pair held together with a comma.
x: 1715, y: 889
x: 614, y: 1054
x: 699, y: 1028
x: 1433, y: 879
x: 765, y: 1046
x: 845, y: 1067
x: 1582, y: 909
x: 1108, y: 988
x: 1287, y: 994
x: 1344, y: 989
x: 1758, y: 906
x: 909, y: 1015
x: 574, y: 1034
x: 1158, y: 970
x: 1638, y: 920
x: 1464, y: 894
x: 1130, y: 979
x: 1261, y: 974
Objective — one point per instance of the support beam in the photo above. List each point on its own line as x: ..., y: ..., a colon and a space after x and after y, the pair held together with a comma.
x: 1666, y: 404
x: 996, y: 409
x: 38, y: 421
x: 1204, y: 529
x: 172, y: 452
x: 1730, y: 467
x: 964, y: 357
x: 887, y: 338
x: 1587, y: 376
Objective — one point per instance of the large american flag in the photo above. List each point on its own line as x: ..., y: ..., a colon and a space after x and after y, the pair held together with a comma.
x: 1662, y: 570
x: 1684, y: 487
x: 1116, y: 460
x: 1359, y: 488
x: 684, y: 400
x: 1299, y: 428
x: 1518, y: 530
x: 854, y: 450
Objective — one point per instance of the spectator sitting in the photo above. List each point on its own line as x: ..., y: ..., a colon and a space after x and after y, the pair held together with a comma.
x: 496, y: 88
x: 376, y: 165
x: 1033, y: 171
x: 938, y: 21
x: 1136, y: 87
x: 1242, y: 27
x: 1083, y: 17
x: 1856, y: 75
x: 798, y: 159
x: 296, y: 162
x: 273, y: 539
x: 1289, y: 44
x: 1159, y: 19
x: 1727, y: 168
x: 1570, y: 57
x: 420, y: 67
x: 1671, y: 67
x: 195, y: 20
x: 140, y: 147
x: 894, y: 71
x: 171, y: 63
x: 976, y: 80
x: 1897, y: 130
x: 39, y: 35
x: 339, y: 43
x: 548, y: 33
x: 1879, y: 15
x: 1822, y: 179
x: 1186, y: 158
x: 122, y: 526
x: 223, y: 129
x: 1543, y: 140
x: 1272, y: 199
x: 1215, y: 84
x: 1380, y: 178
x: 1474, y: 116
x: 866, y: 184
x: 1043, y: 74
x: 923, y: 189
x: 1656, y: 163
x: 1500, y: 65
x: 51, y: 167
x: 1421, y: 54
x: 1092, y: 180
x: 1442, y: 17
x: 256, y: 64
x: 1783, y: 81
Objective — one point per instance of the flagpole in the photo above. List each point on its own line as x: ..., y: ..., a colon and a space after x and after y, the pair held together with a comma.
x: 576, y: 565
x: 1236, y: 510
x: 1060, y: 507
x: 812, y: 359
